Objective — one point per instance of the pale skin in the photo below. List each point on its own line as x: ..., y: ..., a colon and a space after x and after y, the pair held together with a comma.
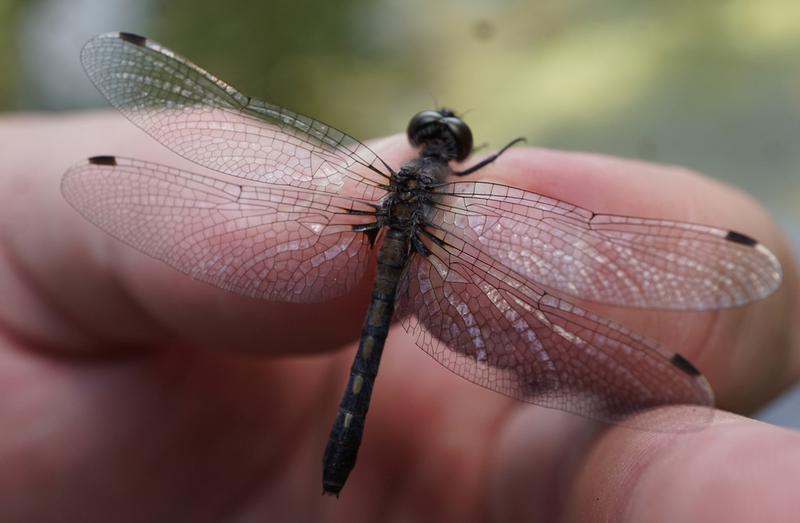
x: 133, y: 393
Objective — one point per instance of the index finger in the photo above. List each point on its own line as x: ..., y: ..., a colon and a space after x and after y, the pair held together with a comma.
x: 748, y: 353
x: 73, y: 286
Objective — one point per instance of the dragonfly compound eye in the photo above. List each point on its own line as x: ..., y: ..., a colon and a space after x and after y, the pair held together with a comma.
x: 444, y: 126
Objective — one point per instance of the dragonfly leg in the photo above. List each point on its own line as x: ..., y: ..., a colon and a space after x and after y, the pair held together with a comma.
x: 370, y: 229
x: 490, y: 159
x: 419, y: 246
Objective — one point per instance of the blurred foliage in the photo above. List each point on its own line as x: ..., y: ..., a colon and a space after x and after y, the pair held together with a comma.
x: 304, y: 54
x: 8, y: 52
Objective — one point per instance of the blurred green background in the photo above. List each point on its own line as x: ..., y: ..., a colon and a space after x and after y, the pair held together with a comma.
x: 713, y: 85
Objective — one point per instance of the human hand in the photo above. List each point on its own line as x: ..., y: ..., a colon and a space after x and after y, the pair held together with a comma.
x: 132, y: 393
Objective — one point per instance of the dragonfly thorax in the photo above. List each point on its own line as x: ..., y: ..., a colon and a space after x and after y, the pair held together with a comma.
x: 405, y: 209
x: 411, y: 193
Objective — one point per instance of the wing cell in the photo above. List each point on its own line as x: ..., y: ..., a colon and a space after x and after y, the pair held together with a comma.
x: 257, y: 240
x: 207, y: 121
x: 616, y: 260
x: 487, y: 324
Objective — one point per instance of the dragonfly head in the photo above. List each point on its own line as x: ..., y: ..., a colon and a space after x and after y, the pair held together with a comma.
x: 442, y: 133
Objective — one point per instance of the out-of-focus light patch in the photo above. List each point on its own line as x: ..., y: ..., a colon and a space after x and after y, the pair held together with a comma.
x: 51, y: 36
x: 784, y: 410
x: 763, y: 26
x: 592, y: 74
x: 459, y: 64
x: 583, y: 75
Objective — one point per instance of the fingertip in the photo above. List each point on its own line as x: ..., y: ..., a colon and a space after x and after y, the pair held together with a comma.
x: 740, y: 349
x: 735, y: 467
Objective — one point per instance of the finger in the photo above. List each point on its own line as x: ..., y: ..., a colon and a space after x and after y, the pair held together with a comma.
x: 736, y: 470
x: 69, y: 284
x: 748, y: 353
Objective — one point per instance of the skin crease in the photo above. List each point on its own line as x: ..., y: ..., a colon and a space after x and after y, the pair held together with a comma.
x: 133, y: 393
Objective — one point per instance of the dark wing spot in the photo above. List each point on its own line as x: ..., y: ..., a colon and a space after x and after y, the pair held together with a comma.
x: 133, y: 38
x: 683, y: 364
x: 103, y: 160
x: 738, y: 237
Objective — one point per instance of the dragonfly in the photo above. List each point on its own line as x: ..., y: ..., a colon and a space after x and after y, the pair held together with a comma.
x: 482, y: 275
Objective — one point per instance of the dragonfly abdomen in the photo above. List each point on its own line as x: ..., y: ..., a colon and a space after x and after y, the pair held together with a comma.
x: 345, y: 438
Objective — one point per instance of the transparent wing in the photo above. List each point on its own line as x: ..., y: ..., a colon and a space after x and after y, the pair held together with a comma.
x: 485, y: 323
x: 209, y: 122
x: 618, y: 260
x: 257, y: 240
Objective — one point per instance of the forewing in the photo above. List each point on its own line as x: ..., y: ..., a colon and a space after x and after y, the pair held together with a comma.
x: 262, y: 241
x: 484, y: 323
x: 618, y: 260
x: 209, y: 122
